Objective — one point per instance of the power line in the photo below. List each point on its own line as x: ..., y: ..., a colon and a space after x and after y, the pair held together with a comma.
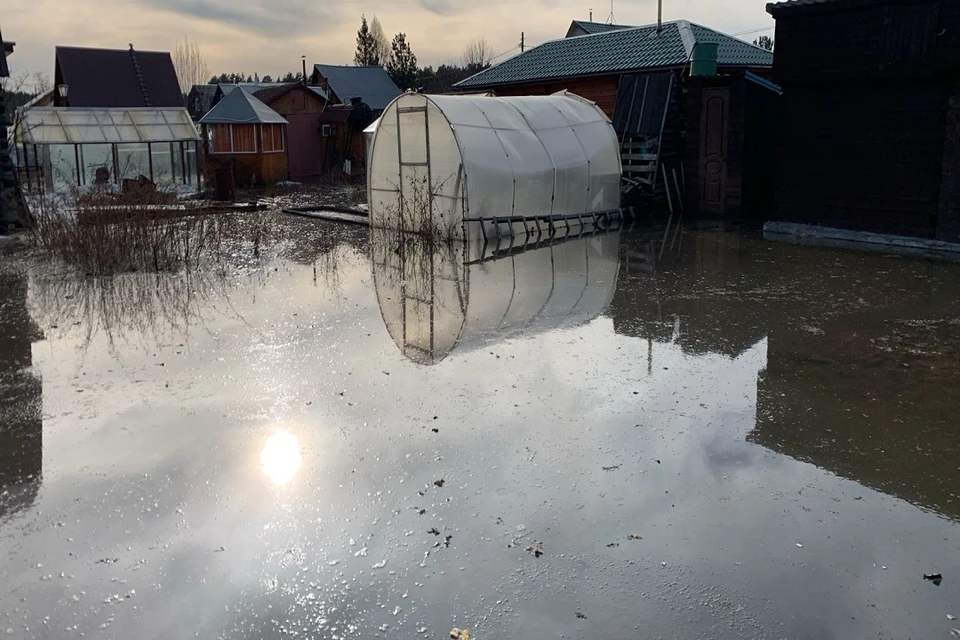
x: 743, y: 33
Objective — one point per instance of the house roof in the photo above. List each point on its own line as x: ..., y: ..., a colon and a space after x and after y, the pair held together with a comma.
x: 110, y: 78
x: 335, y: 114
x: 200, y: 99
x: 371, y: 84
x: 619, y: 51
x: 7, y: 50
x: 270, y: 94
x: 594, y: 27
x: 240, y: 107
x: 791, y: 6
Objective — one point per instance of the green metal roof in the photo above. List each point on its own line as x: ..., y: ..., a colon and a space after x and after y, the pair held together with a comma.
x: 599, y: 27
x: 619, y: 51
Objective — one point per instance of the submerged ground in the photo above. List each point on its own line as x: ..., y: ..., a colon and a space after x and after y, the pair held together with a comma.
x: 742, y: 440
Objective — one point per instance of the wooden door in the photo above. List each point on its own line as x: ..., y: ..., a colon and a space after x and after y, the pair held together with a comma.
x: 714, y: 133
x: 303, y: 142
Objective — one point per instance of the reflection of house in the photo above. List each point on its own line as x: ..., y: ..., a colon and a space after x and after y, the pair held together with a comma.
x: 371, y: 84
x: 862, y: 371
x: 248, y: 135
x: 871, y: 124
x: 21, y: 426
x: 117, y: 114
x: 637, y: 75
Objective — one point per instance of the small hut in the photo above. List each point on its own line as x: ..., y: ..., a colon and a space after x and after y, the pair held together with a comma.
x: 243, y: 132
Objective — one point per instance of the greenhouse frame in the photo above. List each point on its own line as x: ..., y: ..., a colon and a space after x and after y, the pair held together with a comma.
x: 467, y: 165
x: 63, y: 147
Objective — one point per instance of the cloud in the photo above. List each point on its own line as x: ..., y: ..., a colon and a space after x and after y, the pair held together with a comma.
x: 440, y: 7
x: 258, y: 18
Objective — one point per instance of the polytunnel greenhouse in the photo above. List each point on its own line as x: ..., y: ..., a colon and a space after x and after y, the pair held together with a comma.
x: 460, y: 166
x: 437, y: 298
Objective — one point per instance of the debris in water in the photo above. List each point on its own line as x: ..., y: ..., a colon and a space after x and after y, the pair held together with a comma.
x: 460, y: 634
x: 381, y: 564
x: 950, y: 616
x: 536, y: 549
x: 955, y: 633
x: 421, y: 512
x: 613, y: 544
x: 658, y: 462
x: 634, y: 536
x: 611, y: 468
x: 799, y: 546
x: 222, y: 548
x: 106, y: 561
x: 434, y: 531
x: 581, y: 616
x: 935, y: 578
x: 446, y: 541
x: 439, y: 482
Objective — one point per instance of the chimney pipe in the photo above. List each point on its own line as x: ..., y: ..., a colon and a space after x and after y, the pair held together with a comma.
x: 303, y: 60
x: 591, y: 15
x: 659, y: 16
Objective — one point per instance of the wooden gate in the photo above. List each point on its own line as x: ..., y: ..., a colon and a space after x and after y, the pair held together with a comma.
x: 303, y: 145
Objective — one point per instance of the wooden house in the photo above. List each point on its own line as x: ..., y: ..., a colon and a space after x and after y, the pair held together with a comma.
x: 342, y: 144
x: 301, y: 107
x: 636, y: 75
x: 871, y: 115
x: 247, y: 135
x: 732, y: 127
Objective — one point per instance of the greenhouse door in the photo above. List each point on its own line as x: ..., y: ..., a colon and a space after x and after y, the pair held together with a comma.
x: 416, y: 195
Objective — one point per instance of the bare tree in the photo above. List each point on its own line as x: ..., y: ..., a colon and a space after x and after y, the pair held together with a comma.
x: 477, y: 54
x: 381, y: 46
x: 41, y: 83
x: 190, y: 65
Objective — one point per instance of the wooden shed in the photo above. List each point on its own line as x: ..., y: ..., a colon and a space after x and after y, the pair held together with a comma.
x: 248, y: 135
x: 301, y: 106
x: 871, y: 115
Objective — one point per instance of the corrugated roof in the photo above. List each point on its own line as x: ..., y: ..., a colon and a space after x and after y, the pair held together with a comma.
x: 371, y: 84
x: 108, y: 78
x: 240, y: 107
x: 336, y: 114
x: 597, y: 27
x: 619, y: 51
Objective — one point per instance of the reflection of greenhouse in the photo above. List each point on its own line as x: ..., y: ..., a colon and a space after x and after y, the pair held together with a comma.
x: 60, y: 147
x: 434, y: 298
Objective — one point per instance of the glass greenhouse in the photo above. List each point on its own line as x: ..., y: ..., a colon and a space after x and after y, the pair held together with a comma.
x: 462, y: 165
x: 59, y: 147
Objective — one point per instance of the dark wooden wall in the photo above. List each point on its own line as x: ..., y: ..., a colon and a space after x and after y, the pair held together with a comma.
x: 287, y: 103
x: 599, y: 89
x: 862, y: 157
x: 762, y: 127
x: 948, y: 220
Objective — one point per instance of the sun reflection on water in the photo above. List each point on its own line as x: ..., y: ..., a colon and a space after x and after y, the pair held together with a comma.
x: 280, y: 458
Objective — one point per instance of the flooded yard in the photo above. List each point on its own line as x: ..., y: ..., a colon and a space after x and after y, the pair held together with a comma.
x: 738, y: 439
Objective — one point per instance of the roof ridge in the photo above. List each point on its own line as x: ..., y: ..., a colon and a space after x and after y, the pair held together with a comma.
x: 727, y: 35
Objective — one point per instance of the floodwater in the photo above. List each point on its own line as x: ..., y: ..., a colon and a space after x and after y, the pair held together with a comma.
x: 736, y: 439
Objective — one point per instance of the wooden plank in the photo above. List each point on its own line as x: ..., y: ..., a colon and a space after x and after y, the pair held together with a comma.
x: 648, y: 157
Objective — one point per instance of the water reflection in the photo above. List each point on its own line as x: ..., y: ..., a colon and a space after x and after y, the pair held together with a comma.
x: 280, y: 458
x: 435, y: 298
x: 21, y: 425
x: 863, y: 351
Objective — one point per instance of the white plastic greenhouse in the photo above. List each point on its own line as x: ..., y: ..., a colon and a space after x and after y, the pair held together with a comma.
x: 437, y: 298
x: 459, y: 165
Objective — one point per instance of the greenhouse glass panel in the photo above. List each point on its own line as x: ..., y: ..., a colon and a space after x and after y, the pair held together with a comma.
x: 162, y: 163
x: 133, y: 160
x: 94, y: 157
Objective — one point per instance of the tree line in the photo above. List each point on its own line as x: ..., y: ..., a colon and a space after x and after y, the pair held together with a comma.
x: 396, y: 56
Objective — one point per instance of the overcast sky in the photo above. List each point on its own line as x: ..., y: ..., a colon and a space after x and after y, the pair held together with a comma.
x: 269, y: 36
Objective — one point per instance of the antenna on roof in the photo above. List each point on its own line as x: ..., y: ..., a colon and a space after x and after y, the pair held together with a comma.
x: 610, y: 18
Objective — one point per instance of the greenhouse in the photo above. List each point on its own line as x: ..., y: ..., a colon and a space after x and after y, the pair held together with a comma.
x: 471, y: 165
x: 61, y: 147
x: 437, y: 298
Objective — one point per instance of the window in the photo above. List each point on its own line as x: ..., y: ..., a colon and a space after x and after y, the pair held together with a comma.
x: 272, y: 136
x: 229, y: 138
x: 325, y: 130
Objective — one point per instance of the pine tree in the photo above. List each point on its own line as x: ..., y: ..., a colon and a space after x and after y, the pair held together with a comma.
x: 366, y: 55
x: 402, y: 66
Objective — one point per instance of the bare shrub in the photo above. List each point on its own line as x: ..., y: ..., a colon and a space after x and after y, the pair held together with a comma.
x: 144, y: 230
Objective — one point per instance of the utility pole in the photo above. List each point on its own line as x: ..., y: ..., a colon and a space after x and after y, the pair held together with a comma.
x: 521, y: 42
